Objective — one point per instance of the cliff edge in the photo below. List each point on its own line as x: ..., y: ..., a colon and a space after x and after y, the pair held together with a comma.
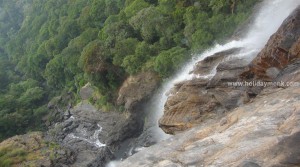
x: 220, y: 125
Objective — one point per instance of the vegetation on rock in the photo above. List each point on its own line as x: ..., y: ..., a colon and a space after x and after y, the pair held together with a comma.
x: 27, y: 150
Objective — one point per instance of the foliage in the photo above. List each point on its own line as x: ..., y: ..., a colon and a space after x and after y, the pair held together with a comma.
x: 170, y: 60
x: 50, y: 46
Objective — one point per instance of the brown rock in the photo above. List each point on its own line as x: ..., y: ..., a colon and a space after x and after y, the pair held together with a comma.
x: 262, y: 133
x: 186, y: 108
x: 137, y: 88
x: 191, y: 102
x: 282, y: 49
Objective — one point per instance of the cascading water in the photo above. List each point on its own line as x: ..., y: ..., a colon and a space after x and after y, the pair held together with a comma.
x: 93, y: 139
x: 266, y: 22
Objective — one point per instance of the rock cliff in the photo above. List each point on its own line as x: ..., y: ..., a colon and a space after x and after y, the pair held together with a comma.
x: 226, y: 125
x: 96, y: 137
x: 83, y: 135
x: 215, y: 124
x: 282, y: 49
x: 264, y: 132
x: 192, y: 101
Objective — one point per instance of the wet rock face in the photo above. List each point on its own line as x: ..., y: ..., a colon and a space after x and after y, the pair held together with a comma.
x: 264, y: 132
x: 205, y: 66
x: 282, y: 49
x: 190, y: 102
x: 93, y: 136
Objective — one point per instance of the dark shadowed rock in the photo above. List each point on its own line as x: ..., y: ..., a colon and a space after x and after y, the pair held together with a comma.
x: 93, y: 136
x: 287, y: 151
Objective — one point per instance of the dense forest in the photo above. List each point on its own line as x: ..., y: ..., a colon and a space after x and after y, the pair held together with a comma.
x: 50, y: 47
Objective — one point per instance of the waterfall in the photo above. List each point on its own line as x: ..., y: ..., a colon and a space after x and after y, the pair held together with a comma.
x: 267, y: 20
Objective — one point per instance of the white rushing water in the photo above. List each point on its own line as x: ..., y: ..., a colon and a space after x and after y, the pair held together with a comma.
x: 94, y: 139
x: 267, y: 21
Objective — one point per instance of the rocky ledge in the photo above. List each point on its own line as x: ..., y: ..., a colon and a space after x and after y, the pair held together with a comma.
x: 192, y: 101
x: 264, y: 132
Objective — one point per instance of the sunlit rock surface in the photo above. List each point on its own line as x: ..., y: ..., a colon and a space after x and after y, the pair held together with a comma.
x: 264, y: 132
x: 192, y: 101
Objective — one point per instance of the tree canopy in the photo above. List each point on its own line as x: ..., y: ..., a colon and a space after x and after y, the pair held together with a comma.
x: 50, y: 46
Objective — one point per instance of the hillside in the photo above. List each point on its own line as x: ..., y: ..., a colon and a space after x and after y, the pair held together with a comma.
x: 51, y: 48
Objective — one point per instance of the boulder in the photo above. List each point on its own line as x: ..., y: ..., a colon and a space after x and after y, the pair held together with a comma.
x: 187, y: 107
x: 192, y: 101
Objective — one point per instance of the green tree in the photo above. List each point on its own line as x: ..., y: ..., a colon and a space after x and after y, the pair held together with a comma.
x: 134, y: 7
x: 170, y: 60
x: 124, y: 48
